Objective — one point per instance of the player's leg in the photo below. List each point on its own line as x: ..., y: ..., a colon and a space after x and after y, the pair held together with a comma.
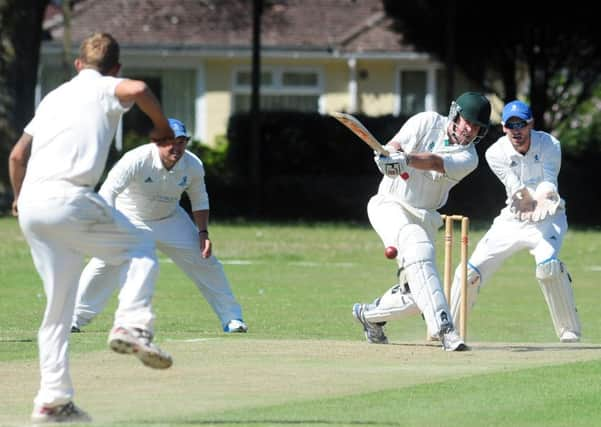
x: 108, y: 235
x: 59, y: 267
x: 500, y: 242
x: 555, y: 280
x: 97, y: 283
x: 418, y: 257
x: 396, y: 303
x: 387, y: 218
x: 178, y: 238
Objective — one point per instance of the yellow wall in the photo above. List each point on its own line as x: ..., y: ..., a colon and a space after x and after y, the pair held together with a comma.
x: 376, y: 90
x: 217, y: 98
x: 376, y: 85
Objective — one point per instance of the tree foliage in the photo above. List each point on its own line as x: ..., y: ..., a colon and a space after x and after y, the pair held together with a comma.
x: 557, y: 50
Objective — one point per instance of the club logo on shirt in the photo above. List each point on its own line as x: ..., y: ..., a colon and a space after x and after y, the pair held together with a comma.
x: 148, y: 180
x: 433, y: 143
x: 513, y: 164
x: 183, y: 182
x: 536, y: 158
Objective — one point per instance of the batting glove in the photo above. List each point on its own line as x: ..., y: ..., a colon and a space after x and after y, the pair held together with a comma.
x: 392, y: 166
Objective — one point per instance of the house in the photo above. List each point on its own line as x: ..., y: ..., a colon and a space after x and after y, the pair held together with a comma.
x: 316, y: 55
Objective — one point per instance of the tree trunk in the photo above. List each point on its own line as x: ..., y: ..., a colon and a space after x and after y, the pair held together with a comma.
x: 255, y: 109
x: 20, y: 38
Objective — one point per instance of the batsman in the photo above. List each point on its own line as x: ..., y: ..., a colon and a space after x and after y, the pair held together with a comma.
x: 429, y: 155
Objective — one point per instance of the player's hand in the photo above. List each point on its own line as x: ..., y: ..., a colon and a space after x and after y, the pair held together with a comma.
x: 205, y: 246
x: 160, y: 135
x: 393, y: 147
x: 547, y: 201
x: 14, y: 209
x: 522, y: 204
x: 392, y: 166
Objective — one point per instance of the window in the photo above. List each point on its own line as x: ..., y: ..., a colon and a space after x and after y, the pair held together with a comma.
x: 413, y: 91
x: 281, y: 89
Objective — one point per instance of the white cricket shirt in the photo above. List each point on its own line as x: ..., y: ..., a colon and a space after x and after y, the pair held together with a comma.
x: 541, y: 162
x: 72, y: 131
x: 144, y: 190
x: 427, y: 132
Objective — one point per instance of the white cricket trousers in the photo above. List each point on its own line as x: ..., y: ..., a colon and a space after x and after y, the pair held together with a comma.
x: 177, y: 237
x: 61, y: 231
x: 507, y: 236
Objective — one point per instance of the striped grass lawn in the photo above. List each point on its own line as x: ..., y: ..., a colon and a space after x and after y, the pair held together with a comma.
x: 304, y: 360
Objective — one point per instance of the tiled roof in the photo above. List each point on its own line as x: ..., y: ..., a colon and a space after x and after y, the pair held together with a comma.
x: 343, y: 25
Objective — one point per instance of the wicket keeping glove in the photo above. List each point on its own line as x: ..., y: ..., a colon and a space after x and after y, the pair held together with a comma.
x: 522, y: 204
x: 535, y: 207
x: 393, y: 165
x: 547, y: 201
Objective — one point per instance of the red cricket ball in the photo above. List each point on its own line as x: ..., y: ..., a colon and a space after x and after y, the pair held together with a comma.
x: 390, y: 252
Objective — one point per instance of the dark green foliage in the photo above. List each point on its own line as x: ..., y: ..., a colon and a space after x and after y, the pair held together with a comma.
x: 312, y: 167
x: 307, y: 144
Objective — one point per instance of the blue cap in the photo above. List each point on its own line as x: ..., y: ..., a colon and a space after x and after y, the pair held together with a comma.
x: 178, y: 127
x: 516, y: 109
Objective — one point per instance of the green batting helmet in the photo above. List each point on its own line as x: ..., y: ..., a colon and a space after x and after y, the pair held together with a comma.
x: 474, y: 106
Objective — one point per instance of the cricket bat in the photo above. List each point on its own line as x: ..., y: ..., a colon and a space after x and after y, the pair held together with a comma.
x: 361, y: 131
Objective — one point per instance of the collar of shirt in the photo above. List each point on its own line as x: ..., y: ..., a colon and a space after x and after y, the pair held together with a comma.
x: 89, y: 73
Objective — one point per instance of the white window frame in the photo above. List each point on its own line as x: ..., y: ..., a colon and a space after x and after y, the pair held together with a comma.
x: 277, y: 87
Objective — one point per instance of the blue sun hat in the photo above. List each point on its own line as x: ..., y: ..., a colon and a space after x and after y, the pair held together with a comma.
x: 179, y: 128
x: 517, y: 109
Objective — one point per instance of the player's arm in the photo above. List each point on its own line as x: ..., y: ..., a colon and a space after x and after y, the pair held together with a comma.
x: 17, y: 166
x: 199, y: 202
x: 405, y: 141
x: 426, y: 162
x: 551, y: 160
x: 128, y: 91
x: 201, y: 218
x: 499, y: 165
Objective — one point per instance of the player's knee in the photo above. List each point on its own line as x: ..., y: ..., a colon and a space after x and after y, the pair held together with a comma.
x: 550, y: 270
x: 415, y: 245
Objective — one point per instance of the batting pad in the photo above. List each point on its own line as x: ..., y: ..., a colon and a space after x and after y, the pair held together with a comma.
x: 396, y: 303
x: 556, y: 284
x: 422, y: 276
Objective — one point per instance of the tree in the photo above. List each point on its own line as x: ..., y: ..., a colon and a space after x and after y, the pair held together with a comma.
x: 20, y: 39
x: 556, y: 50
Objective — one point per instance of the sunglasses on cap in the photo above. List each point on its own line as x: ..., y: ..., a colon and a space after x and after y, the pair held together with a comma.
x: 516, y: 125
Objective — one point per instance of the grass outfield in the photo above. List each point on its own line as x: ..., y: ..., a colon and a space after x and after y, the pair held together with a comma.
x: 304, y: 360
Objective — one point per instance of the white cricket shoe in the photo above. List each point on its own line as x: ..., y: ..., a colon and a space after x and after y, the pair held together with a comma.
x: 569, y: 336
x: 374, y: 332
x: 451, y: 341
x: 139, y: 343
x: 67, y: 413
x: 235, y: 325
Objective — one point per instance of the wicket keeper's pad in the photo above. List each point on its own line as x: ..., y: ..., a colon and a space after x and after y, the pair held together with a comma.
x: 556, y: 284
x: 473, y: 284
